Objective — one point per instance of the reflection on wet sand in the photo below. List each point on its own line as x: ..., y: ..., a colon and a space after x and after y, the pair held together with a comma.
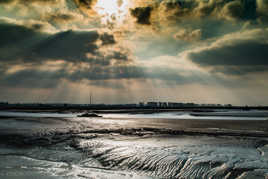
x: 132, y: 148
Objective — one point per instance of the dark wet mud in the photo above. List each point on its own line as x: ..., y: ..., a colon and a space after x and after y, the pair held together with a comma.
x: 105, y: 148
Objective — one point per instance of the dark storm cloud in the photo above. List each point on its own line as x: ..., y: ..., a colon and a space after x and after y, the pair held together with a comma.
x: 12, y: 34
x: 242, y: 53
x: 28, y: 48
x: 6, y: 1
x: 142, y: 14
x: 28, y: 45
x: 78, y: 46
x: 68, y: 45
x: 19, y: 43
x: 238, y: 53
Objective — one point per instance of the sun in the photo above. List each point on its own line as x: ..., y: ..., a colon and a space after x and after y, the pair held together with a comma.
x: 112, y: 11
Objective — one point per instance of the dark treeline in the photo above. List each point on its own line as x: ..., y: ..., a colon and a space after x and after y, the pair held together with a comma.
x: 123, y: 107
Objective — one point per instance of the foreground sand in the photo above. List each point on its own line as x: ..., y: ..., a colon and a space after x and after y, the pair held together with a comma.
x: 132, y: 148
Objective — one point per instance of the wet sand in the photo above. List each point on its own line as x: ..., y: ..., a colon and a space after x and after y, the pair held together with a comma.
x: 132, y: 148
x: 209, y: 126
x: 188, y: 124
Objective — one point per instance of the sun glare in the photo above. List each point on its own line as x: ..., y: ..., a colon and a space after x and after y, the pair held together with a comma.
x: 112, y: 11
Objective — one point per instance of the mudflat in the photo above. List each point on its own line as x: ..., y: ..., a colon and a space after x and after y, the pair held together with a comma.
x: 47, y: 147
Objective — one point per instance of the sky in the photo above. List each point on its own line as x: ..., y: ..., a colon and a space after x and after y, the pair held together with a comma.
x: 126, y: 51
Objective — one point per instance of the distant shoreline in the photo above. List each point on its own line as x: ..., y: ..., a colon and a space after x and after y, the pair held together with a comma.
x: 120, y: 109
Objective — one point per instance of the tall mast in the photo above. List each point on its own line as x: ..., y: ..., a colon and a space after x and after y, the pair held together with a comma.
x: 90, y: 99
